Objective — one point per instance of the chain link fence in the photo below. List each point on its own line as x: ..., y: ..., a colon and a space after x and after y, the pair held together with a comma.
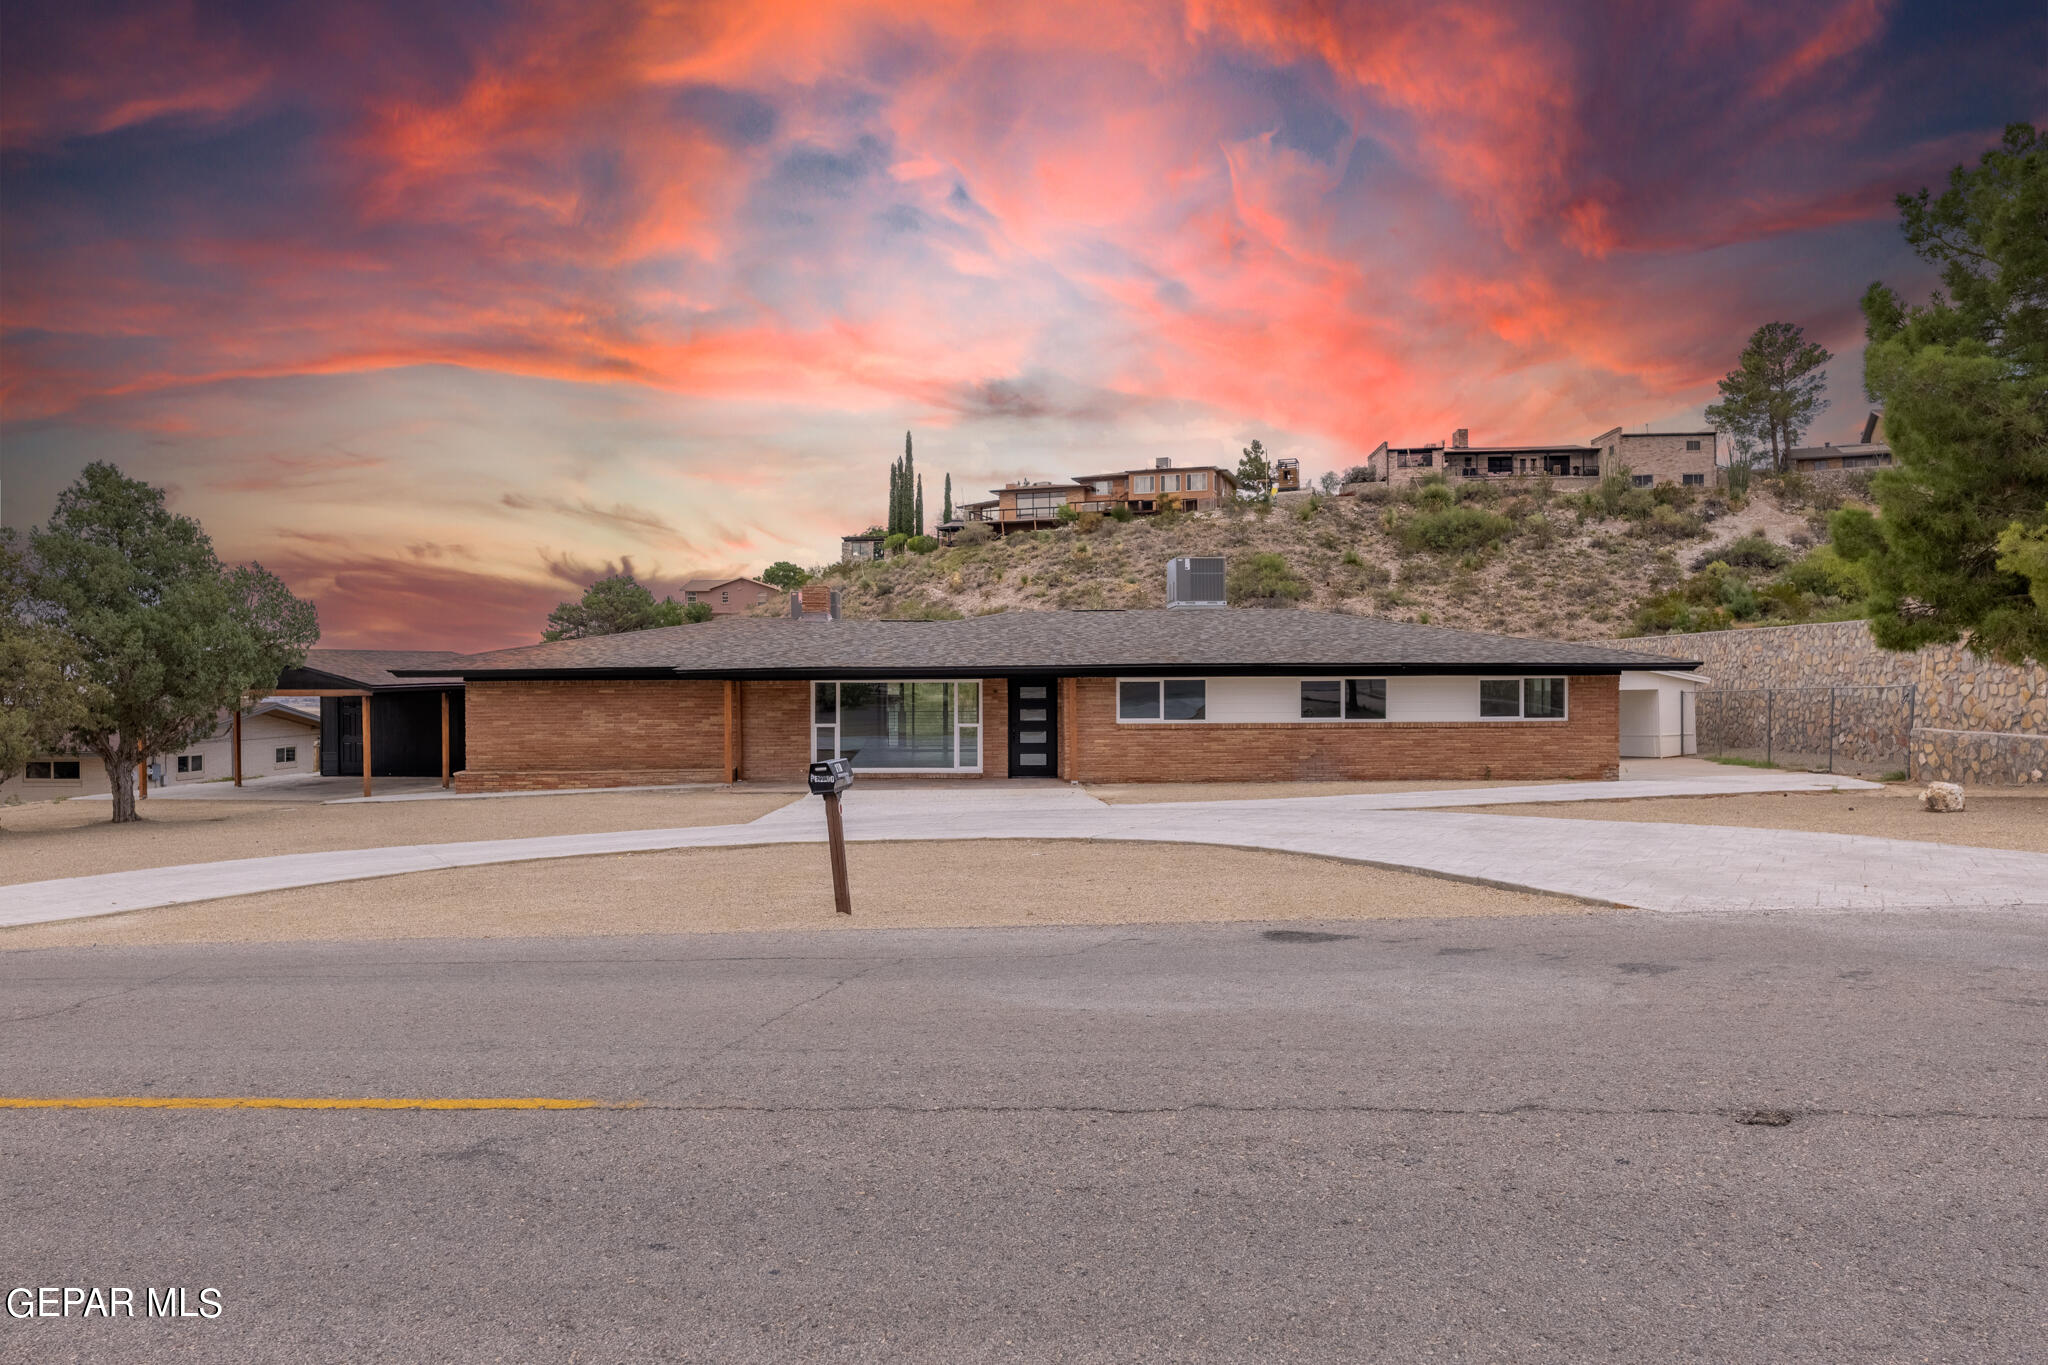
x: 1861, y: 731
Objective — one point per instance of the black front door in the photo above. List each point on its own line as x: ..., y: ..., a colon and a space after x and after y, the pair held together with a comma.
x: 1034, y: 727
x: 348, y: 716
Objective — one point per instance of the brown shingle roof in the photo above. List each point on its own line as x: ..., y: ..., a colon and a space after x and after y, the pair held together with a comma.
x: 1191, y: 641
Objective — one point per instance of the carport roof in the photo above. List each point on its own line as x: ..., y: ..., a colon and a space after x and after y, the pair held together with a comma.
x: 374, y: 670
x: 1099, y: 643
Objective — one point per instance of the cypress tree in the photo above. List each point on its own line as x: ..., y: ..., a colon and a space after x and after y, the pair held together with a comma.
x: 947, y: 514
x: 919, y: 528
x: 910, y: 508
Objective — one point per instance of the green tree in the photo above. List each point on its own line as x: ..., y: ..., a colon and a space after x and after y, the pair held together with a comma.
x: 167, y: 636
x: 917, y: 518
x: 614, y: 605
x: 696, y: 613
x: 44, y: 693
x: 1255, y: 470
x: 1964, y: 384
x: 1773, y: 394
x: 947, y: 513
x: 785, y: 575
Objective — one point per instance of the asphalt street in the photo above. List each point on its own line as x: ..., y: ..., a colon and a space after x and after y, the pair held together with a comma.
x: 1454, y: 1140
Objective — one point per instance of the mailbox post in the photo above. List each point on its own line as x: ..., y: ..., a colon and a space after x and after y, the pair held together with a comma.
x: 829, y: 778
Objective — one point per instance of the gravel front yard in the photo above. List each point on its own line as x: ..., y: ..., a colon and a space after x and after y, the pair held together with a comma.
x: 905, y: 885
x: 1993, y: 818
x: 75, y: 839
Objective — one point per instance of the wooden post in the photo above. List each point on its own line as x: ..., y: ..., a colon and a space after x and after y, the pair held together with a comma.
x: 728, y: 767
x: 447, y: 773
x: 238, y: 746
x: 842, y: 896
x: 366, y: 743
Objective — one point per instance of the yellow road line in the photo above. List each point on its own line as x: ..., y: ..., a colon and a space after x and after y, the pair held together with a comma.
x: 286, y: 1102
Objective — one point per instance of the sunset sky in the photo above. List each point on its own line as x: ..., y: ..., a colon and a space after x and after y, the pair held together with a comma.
x: 440, y: 309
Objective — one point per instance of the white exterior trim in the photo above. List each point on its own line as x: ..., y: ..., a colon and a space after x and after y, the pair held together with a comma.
x: 1276, y: 700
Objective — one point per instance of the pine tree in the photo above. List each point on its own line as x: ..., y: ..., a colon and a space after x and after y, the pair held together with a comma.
x: 918, y: 530
x: 947, y: 514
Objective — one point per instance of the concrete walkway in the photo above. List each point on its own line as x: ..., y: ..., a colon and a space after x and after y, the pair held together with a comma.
x: 1650, y: 866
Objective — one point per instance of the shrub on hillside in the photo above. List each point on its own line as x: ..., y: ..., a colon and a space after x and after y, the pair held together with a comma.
x: 920, y: 545
x: 1264, y: 578
x: 974, y: 533
x: 894, y: 544
x: 1452, y: 529
x: 1753, y: 551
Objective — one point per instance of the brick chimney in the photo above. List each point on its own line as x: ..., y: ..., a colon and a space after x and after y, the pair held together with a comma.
x: 1460, y: 439
x: 815, y: 602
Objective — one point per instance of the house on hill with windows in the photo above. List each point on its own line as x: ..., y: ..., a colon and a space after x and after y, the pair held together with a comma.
x: 1027, y: 506
x: 1686, y: 458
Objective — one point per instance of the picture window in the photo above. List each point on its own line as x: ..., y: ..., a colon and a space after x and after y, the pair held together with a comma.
x: 52, y: 770
x: 1162, y: 699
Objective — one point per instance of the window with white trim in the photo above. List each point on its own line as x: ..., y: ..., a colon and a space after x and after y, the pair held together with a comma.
x: 1162, y: 699
x: 191, y: 763
x: 288, y: 754
x: 1343, y: 698
x: 51, y: 770
x: 1142, y: 483
x: 898, y: 726
x: 1693, y: 480
x: 1642, y: 480
x: 1521, y: 698
x: 1198, y: 483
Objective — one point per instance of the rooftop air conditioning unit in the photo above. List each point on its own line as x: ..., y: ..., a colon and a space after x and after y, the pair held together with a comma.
x: 1195, y: 581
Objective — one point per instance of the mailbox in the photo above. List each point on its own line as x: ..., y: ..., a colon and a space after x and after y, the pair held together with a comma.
x: 831, y: 776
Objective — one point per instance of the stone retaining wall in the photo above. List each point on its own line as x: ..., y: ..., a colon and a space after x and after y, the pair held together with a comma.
x: 1961, y: 718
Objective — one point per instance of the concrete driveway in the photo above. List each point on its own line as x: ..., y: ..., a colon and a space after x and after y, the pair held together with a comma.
x: 1667, y: 867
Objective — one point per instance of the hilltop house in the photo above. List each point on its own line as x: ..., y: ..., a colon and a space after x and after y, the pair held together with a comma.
x: 1030, y: 505
x: 1187, y: 693
x: 1870, y: 452
x: 728, y: 596
x: 1688, y: 458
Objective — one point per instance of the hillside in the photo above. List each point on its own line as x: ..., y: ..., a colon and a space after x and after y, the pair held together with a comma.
x: 1478, y: 557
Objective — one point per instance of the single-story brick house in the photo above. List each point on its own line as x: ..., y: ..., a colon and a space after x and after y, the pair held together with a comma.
x: 1103, y: 696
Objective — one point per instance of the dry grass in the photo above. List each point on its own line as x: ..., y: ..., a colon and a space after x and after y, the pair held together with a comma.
x: 75, y: 838
x: 906, y: 885
x: 1992, y: 819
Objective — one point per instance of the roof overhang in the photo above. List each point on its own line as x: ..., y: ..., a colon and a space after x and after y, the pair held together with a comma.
x: 1175, y: 669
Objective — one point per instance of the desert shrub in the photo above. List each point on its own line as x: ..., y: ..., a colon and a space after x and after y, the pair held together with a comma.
x: 1538, y: 530
x: 1751, y: 552
x: 1824, y: 573
x: 696, y: 613
x: 1067, y: 515
x: 1089, y: 522
x: 1452, y: 529
x: 974, y: 533
x: 1121, y: 514
x: 1309, y: 506
x: 1738, y: 477
x: 894, y: 544
x: 1666, y: 523
x: 1353, y: 558
x: 1478, y: 491
x: 920, y: 545
x: 1264, y: 578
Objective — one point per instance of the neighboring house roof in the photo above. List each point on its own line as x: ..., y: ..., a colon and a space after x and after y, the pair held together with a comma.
x: 1829, y: 452
x: 283, y: 706
x: 712, y: 584
x: 371, y: 669
x: 865, y: 536
x: 1085, y: 643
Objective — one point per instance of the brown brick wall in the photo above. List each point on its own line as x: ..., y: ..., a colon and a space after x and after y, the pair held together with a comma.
x: 775, y: 728
x: 1664, y: 457
x: 535, y: 735
x: 1094, y: 748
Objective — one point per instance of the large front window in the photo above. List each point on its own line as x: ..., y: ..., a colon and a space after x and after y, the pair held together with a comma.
x: 898, y: 726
